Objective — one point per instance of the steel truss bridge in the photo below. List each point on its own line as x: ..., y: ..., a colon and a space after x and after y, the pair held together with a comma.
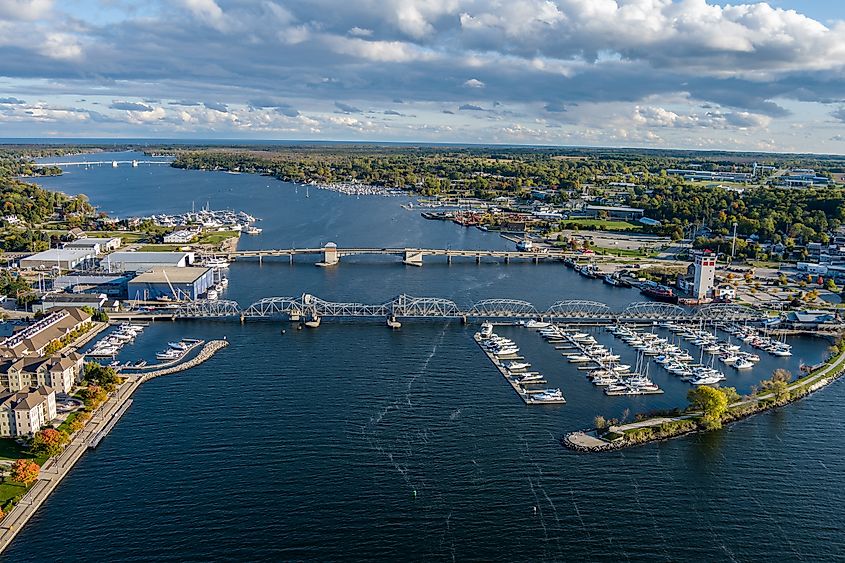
x: 308, y: 306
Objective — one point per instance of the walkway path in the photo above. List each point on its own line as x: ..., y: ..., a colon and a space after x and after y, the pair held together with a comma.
x: 584, y: 441
x: 56, y: 468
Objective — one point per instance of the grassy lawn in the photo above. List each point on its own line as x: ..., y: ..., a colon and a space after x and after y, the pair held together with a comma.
x: 607, y: 224
x: 217, y: 237
x: 621, y: 252
x: 65, y: 426
x: 9, y: 490
x: 9, y: 449
x: 160, y: 248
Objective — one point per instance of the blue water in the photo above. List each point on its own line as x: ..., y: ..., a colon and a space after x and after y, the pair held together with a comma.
x: 310, y: 444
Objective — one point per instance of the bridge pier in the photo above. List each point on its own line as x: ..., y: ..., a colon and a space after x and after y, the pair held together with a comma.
x: 449, y: 260
x: 330, y: 255
x: 507, y: 259
x: 478, y: 259
x: 413, y: 258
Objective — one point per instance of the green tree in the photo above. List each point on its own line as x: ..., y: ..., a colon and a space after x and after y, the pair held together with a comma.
x: 712, y: 402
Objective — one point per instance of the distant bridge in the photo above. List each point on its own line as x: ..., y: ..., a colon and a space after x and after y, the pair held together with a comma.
x: 114, y: 163
x: 310, y: 307
x: 330, y: 254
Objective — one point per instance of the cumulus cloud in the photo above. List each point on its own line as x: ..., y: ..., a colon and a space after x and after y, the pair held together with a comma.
x: 674, y: 65
x: 11, y: 101
x: 24, y: 9
x: 839, y: 114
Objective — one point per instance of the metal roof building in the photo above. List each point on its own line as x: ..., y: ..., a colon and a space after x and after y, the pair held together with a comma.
x: 61, y: 258
x: 145, y: 261
x: 173, y: 283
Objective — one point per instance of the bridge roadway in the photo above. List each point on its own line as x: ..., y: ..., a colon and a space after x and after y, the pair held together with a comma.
x: 104, y: 162
x: 309, y: 307
x: 331, y: 254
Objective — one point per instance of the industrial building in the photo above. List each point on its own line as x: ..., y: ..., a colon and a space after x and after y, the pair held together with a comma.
x: 112, y: 285
x: 95, y: 245
x: 171, y: 283
x: 613, y: 211
x: 145, y: 261
x: 60, y: 258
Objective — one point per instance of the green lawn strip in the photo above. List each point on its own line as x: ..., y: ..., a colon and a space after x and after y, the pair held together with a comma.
x: 217, y: 237
x: 9, y: 449
x: 608, y: 224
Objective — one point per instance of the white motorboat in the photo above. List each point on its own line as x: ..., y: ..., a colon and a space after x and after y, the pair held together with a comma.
x: 742, y: 363
x: 537, y: 324
x: 517, y: 366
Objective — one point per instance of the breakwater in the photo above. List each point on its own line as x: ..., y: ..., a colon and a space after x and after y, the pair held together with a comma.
x: 665, y: 428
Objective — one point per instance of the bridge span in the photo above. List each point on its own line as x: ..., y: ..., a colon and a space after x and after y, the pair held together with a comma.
x: 113, y: 163
x: 312, y: 308
x: 330, y: 254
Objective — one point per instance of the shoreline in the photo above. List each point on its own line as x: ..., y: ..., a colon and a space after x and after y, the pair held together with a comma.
x: 55, y: 469
x: 668, y: 428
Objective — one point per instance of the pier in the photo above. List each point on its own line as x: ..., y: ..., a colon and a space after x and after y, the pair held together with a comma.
x: 524, y: 394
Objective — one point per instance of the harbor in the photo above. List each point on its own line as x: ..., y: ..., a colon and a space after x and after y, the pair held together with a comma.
x: 318, y: 422
x: 516, y: 372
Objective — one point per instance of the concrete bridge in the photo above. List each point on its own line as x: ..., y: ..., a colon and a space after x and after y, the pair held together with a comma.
x: 308, y: 307
x: 114, y: 163
x: 330, y: 254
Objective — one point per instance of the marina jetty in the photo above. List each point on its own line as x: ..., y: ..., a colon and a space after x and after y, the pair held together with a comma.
x: 98, y: 426
x: 664, y: 427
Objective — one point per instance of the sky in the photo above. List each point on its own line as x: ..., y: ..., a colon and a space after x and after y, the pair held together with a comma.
x: 695, y: 74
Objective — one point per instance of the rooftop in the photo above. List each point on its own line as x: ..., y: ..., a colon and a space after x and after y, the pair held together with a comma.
x: 173, y: 275
x: 146, y: 257
x: 60, y: 254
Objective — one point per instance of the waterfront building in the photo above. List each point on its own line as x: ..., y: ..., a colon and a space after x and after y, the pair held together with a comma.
x: 60, y: 258
x: 58, y: 372
x: 171, y: 283
x: 56, y: 300
x: 182, y: 236
x: 146, y: 261
x: 32, y: 340
x: 114, y: 286
x: 705, y: 275
x: 95, y: 245
x: 25, y: 412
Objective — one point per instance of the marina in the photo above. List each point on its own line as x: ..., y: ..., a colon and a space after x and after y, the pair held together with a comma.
x: 114, y: 341
x: 605, y: 369
x: 515, y: 372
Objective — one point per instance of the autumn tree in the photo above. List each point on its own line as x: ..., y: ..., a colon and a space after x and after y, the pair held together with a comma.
x: 49, y: 442
x: 25, y: 471
x: 778, y: 384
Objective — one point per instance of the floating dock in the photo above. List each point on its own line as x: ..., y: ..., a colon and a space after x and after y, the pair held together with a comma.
x: 524, y: 394
x: 98, y: 437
